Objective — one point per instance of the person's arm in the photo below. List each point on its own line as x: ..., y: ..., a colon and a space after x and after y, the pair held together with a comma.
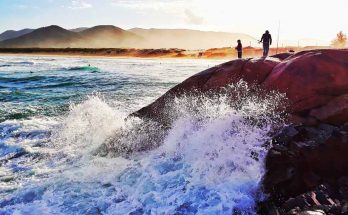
x: 262, y: 38
x: 270, y: 39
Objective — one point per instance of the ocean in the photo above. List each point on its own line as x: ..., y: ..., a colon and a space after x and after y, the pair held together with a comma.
x: 56, y: 113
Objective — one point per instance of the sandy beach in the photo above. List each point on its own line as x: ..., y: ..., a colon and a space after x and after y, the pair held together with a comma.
x: 214, y: 53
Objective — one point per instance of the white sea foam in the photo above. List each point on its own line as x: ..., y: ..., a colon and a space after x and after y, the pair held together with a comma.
x: 209, y: 162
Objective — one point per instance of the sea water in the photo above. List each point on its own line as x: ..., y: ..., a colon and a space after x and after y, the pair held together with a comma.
x: 56, y: 114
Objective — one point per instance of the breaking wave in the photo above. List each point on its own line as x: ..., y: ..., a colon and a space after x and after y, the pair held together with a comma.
x: 210, y: 160
x: 84, y: 68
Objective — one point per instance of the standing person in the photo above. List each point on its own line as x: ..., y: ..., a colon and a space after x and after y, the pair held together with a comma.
x: 266, y: 40
x: 239, y: 49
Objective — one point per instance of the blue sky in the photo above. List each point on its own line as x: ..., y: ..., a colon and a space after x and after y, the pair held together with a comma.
x: 300, y: 19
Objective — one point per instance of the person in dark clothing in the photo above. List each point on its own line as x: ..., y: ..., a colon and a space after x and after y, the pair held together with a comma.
x: 266, y: 40
x: 239, y: 49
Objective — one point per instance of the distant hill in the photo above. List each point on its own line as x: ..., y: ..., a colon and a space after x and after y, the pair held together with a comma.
x: 58, y: 37
x: 190, y: 39
x: 13, y: 34
x: 108, y: 36
x: 52, y: 36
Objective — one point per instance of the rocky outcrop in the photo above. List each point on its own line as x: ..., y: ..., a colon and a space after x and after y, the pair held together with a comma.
x: 306, y: 156
x: 253, y: 71
x: 307, y: 169
x: 307, y: 166
x: 324, y: 199
x: 335, y: 111
x: 315, y: 82
x: 311, y: 79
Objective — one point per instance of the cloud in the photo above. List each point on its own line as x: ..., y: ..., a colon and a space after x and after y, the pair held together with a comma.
x: 80, y: 4
x: 192, y: 18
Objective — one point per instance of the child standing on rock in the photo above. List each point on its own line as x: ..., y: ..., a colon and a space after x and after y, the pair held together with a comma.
x: 239, y: 49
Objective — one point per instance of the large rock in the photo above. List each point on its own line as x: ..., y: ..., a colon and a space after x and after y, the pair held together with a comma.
x: 335, y: 112
x: 253, y: 71
x: 303, y: 160
x: 307, y: 167
x: 324, y: 199
x: 306, y: 159
x: 312, y: 80
x: 256, y: 71
x: 224, y: 75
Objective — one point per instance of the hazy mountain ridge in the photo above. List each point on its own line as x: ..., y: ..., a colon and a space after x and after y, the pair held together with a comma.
x: 10, y: 34
x: 190, y: 39
x: 51, y: 36
x: 108, y: 36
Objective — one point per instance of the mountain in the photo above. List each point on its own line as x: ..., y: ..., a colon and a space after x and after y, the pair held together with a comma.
x: 47, y: 37
x: 108, y: 36
x: 10, y: 34
x: 190, y: 39
x: 103, y: 36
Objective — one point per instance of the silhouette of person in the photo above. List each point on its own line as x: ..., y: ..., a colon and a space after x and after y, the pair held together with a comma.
x: 266, y: 40
x: 239, y: 49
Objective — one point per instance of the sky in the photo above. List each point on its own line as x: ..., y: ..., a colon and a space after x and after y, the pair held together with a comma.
x: 316, y: 21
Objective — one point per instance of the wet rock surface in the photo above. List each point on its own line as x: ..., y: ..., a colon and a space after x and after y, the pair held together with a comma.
x: 315, y: 83
x: 311, y: 79
x: 307, y: 165
x: 307, y: 170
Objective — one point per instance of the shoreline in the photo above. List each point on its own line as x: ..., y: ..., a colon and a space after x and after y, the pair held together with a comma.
x: 101, y: 53
x: 64, y: 55
x: 119, y: 53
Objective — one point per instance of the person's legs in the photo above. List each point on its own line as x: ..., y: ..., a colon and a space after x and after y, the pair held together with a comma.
x: 266, y: 50
x: 239, y: 55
